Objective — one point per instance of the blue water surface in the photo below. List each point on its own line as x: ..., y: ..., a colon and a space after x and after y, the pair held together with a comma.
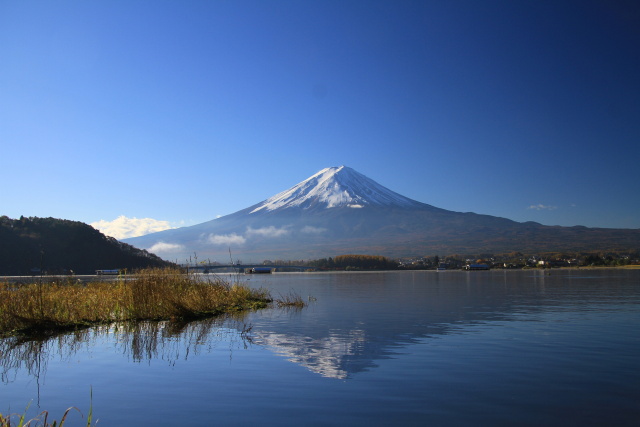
x: 402, y: 348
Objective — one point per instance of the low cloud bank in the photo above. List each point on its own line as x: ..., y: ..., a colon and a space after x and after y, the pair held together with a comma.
x: 123, y: 227
x: 310, y: 229
x: 165, y: 248
x: 240, y: 239
x: 269, y: 231
x: 226, y: 239
x: 541, y: 207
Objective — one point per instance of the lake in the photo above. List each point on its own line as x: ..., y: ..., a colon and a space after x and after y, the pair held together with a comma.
x: 492, y: 348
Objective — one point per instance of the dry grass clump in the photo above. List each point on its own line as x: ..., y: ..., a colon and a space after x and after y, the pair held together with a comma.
x: 290, y: 300
x: 165, y: 294
x: 152, y: 294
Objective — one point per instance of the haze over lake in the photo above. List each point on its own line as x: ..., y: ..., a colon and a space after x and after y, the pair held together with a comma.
x: 411, y: 348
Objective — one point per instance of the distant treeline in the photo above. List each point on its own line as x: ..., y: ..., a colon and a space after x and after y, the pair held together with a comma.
x: 521, y: 260
x: 31, y: 246
x: 457, y: 261
x: 355, y: 262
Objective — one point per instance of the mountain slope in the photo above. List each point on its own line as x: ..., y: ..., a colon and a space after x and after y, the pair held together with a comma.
x: 58, y: 246
x: 339, y: 210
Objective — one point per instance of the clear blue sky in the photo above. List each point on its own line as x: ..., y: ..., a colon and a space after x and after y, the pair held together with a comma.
x: 182, y: 111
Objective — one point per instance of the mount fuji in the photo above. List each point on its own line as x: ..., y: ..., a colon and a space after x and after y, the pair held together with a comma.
x: 338, y: 210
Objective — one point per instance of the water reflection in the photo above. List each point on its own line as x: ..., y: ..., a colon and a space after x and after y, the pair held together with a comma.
x: 486, y: 348
x: 32, y: 354
x: 360, y: 319
x: 326, y: 356
x: 174, y: 341
x: 138, y: 341
x: 353, y: 321
x: 340, y: 353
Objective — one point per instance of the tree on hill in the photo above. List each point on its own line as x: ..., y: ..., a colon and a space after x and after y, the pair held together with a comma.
x: 57, y: 246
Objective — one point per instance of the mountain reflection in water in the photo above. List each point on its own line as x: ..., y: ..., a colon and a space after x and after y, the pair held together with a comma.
x: 326, y: 356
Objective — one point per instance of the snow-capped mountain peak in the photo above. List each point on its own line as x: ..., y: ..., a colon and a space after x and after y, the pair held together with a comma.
x: 335, y: 187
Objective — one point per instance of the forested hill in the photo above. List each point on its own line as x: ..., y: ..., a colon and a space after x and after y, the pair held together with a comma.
x: 57, y: 246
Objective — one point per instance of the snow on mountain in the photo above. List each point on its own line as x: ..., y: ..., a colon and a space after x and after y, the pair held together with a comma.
x: 335, y: 187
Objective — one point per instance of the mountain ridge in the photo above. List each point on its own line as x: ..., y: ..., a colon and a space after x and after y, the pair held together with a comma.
x: 57, y: 246
x: 338, y: 210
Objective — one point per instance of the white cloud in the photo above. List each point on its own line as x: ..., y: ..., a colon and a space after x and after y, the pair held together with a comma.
x: 226, y: 239
x: 313, y: 230
x: 123, y: 227
x: 540, y: 207
x: 162, y: 247
x: 270, y: 231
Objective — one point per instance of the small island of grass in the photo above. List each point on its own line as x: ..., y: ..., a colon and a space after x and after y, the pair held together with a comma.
x: 151, y: 294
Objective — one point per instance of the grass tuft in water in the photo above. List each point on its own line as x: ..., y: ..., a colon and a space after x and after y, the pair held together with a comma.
x: 290, y: 300
x: 42, y: 420
x: 152, y: 294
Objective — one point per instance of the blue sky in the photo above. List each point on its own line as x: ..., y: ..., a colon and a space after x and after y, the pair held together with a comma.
x: 184, y: 111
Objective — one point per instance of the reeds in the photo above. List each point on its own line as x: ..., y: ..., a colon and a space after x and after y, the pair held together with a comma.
x: 152, y: 294
x: 42, y: 420
x: 5, y: 420
x: 290, y: 300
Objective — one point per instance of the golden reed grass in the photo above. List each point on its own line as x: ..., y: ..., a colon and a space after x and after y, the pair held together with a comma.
x: 152, y: 294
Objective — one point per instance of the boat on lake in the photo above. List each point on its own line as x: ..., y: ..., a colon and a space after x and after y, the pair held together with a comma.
x: 260, y: 270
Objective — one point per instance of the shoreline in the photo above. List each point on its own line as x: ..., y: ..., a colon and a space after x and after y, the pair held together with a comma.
x: 84, y: 278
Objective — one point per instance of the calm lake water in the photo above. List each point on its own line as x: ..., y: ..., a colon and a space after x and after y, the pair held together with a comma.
x: 398, y: 348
